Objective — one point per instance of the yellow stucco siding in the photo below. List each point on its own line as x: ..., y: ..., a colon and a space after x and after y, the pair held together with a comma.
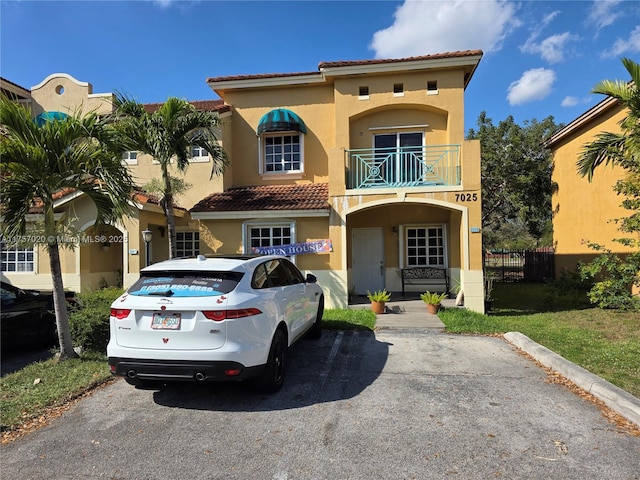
x: 449, y: 97
x: 197, y: 176
x: 314, y: 105
x: 421, y: 117
x: 226, y: 236
x: 584, y: 211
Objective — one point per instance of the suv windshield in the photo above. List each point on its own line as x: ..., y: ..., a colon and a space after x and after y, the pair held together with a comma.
x: 185, y: 284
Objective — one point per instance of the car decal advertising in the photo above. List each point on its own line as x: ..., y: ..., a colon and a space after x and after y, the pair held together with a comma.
x: 182, y: 286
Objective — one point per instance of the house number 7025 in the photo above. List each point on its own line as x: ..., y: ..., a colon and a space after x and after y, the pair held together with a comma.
x: 466, y: 197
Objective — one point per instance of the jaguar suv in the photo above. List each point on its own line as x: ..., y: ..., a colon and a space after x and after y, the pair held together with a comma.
x: 213, y: 318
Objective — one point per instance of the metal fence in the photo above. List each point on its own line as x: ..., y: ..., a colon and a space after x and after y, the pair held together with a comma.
x: 520, y: 265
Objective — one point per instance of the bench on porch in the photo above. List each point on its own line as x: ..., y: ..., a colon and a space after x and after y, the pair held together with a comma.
x: 425, y: 276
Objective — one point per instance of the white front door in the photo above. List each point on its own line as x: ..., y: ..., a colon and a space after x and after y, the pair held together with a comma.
x: 367, y: 247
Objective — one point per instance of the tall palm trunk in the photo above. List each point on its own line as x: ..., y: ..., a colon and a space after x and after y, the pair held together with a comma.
x: 60, y: 304
x: 168, y: 209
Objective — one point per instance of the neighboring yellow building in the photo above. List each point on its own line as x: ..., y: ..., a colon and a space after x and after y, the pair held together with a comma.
x: 358, y: 169
x: 585, y: 211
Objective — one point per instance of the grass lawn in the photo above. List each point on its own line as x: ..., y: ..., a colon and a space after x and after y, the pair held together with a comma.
x: 605, y: 342
x: 45, y: 386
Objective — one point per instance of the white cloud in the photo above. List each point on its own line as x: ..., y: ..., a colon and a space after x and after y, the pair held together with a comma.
x: 625, y: 46
x: 551, y: 49
x: 534, y: 84
x: 603, y: 14
x: 426, y: 27
x: 570, y: 101
x: 163, y: 3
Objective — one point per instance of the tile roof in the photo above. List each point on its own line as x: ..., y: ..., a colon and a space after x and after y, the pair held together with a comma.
x: 267, y: 197
x: 14, y: 84
x: 214, y: 105
x: 138, y: 195
x: 322, y: 65
x: 435, y: 56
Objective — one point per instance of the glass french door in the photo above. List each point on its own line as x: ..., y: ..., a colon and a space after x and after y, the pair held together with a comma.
x: 399, y: 156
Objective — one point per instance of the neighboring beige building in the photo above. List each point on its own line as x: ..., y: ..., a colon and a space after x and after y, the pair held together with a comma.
x: 93, y: 263
x: 360, y: 169
x: 585, y: 211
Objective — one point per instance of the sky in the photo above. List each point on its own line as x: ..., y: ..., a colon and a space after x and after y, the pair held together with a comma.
x: 541, y: 58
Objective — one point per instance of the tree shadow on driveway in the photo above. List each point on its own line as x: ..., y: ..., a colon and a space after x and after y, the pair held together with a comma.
x: 336, y: 367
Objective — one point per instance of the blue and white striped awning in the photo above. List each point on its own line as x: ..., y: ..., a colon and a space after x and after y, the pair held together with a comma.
x: 281, y: 120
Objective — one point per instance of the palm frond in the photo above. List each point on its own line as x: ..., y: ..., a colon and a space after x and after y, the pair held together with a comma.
x: 607, y: 148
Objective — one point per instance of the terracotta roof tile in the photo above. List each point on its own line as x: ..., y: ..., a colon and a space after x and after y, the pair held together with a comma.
x: 229, y: 78
x: 213, y: 105
x: 321, y: 65
x: 435, y: 56
x: 138, y: 195
x: 267, y: 197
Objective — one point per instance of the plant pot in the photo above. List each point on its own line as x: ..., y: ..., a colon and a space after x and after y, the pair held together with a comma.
x: 432, y: 309
x: 378, y: 307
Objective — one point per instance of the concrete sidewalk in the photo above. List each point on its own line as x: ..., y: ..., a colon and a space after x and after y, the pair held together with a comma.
x: 409, y: 312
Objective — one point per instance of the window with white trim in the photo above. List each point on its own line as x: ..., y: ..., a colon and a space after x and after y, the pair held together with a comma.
x: 187, y: 244
x: 17, y: 259
x: 130, y: 157
x: 198, y: 154
x: 425, y: 246
x: 270, y: 235
x: 282, y: 153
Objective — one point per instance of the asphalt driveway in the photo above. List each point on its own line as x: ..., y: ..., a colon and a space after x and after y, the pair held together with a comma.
x: 399, y: 404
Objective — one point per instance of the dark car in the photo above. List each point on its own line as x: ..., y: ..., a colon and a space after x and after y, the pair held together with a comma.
x: 27, y: 319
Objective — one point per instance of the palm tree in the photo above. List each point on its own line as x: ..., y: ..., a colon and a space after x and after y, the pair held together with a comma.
x: 167, y: 133
x: 622, y: 148
x: 37, y: 162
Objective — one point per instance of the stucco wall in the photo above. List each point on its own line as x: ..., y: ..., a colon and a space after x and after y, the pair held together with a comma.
x: 584, y: 211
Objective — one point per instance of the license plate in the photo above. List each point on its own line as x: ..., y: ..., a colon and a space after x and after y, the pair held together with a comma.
x: 163, y: 321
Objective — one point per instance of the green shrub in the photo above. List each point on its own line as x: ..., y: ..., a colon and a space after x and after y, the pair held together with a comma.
x: 89, y: 323
x: 613, y: 277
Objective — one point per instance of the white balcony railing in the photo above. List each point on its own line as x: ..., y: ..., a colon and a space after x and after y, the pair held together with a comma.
x: 414, y: 166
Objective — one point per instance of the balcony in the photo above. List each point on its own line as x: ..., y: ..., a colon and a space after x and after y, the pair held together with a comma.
x: 414, y: 166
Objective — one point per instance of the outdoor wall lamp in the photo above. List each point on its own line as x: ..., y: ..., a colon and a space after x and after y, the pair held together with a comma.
x: 147, y: 235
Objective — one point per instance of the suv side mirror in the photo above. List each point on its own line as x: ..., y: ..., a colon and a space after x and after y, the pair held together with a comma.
x: 311, y: 278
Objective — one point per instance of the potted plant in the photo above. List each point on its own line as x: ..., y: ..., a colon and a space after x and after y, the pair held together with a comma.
x: 433, y: 301
x: 378, y: 300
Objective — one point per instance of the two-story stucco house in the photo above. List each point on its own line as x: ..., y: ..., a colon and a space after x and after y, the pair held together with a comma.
x: 357, y: 170
x: 367, y: 156
x: 585, y: 212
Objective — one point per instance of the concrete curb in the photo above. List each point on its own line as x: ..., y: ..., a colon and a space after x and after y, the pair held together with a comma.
x: 615, y: 398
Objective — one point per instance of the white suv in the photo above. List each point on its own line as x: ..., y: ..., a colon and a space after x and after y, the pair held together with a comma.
x: 213, y: 318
